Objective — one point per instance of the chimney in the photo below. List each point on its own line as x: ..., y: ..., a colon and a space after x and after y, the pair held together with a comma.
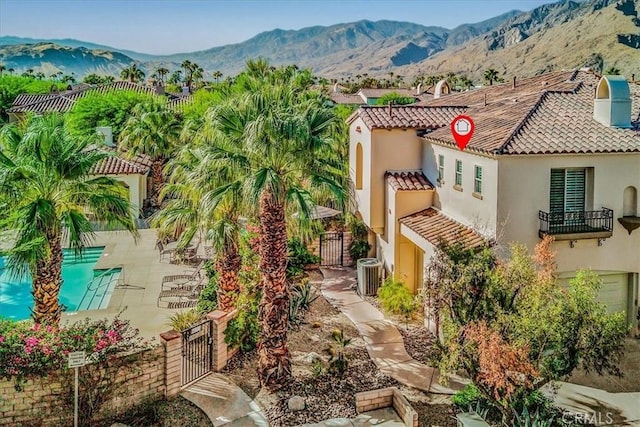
x: 335, y: 88
x: 185, y: 90
x: 485, y: 99
x: 612, y: 103
x: 633, y: 77
x: 419, y: 89
x: 514, y: 82
x: 390, y: 109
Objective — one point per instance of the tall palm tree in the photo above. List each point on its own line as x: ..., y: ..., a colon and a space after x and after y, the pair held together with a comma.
x: 46, y: 189
x: 217, y: 75
x: 132, y: 73
x: 153, y: 130
x: 11, y: 70
x: 276, y: 138
x: 2, y: 68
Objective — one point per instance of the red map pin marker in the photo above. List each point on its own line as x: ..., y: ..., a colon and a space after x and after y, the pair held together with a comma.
x: 462, y: 128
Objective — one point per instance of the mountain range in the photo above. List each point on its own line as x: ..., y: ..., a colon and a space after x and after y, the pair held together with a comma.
x: 567, y: 34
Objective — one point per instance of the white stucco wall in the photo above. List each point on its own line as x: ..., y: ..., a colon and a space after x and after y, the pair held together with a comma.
x: 523, y: 184
x: 462, y: 206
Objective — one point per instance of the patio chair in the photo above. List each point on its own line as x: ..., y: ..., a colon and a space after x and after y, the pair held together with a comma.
x: 180, y: 280
x: 173, y: 296
x: 163, y: 251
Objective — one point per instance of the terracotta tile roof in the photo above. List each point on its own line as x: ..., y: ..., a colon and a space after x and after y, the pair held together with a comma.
x: 408, y: 180
x: 547, y: 114
x: 406, y: 116
x: 30, y: 98
x: 116, y: 165
x: 346, y: 98
x: 433, y: 226
x: 64, y: 101
x: 179, y: 102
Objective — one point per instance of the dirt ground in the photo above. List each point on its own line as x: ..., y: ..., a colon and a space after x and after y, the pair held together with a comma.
x: 328, y: 396
x: 630, y: 366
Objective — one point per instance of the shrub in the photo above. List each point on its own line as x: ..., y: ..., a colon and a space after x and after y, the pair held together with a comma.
x: 298, y: 257
x: 338, y: 361
x: 395, y: 298
x: 302, y: 295
x: 184, y: 320
x: 208, y: 299
x: 244, y: 330
x: 359, y: 246
x: 467, y: 397
x: 395, y: 98
x: 29, y: 350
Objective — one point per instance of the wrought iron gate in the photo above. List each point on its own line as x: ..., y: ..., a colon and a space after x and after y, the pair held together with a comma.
x: 197, y: 354
x: 331, y: 249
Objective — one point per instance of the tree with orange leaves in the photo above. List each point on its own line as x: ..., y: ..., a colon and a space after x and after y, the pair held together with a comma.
x: 512, y: 327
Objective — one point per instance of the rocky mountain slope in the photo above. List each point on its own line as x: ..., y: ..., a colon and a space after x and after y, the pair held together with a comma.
x: 567, y: 34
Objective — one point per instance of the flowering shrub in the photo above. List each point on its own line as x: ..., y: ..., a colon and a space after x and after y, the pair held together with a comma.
x: 29, y: 350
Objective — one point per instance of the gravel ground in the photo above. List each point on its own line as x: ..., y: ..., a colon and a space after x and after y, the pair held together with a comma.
x: 420, y: 343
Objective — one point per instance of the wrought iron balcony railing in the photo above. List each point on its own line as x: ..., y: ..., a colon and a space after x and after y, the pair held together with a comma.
x: 576, y: 225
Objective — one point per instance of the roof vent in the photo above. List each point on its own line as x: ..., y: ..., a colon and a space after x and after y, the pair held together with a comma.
x: 612, y: 104
x: 442, y: 88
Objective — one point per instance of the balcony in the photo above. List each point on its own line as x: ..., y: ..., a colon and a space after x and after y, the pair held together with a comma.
x: 576, y: 225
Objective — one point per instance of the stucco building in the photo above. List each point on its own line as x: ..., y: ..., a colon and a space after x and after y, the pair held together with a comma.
x: 556, y: 154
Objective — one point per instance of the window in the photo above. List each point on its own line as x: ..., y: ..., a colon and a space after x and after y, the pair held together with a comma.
x: 440, y: 168
x: 567, y: 190
x: 459, y: 173
x: 359, y: 166
x: 477, y: 180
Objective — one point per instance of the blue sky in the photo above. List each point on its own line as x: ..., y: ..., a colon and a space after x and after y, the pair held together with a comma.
x: 171, y: 26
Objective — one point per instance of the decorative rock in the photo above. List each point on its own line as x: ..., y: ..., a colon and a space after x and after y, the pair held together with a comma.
x: 296, y: 403
x: 311, y: 357
x: 314, y: 338
x: 316, y: 324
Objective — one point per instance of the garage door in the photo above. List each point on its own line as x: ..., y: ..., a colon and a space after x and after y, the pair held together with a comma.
x: 614, y: 292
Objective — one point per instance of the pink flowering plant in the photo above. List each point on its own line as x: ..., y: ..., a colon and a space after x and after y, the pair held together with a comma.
x: 29, y: 350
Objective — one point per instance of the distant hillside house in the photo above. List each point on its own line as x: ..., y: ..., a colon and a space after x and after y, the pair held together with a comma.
x: 557, y: 154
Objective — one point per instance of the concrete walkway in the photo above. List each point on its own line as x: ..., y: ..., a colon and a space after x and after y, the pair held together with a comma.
x: 385, y: 417
x: 224, y: 403
x: 383, y: 341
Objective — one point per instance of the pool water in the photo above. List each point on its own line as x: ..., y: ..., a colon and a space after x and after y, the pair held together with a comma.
x: 16, y: 300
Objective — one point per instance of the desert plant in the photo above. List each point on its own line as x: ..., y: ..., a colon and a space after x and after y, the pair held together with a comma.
x: 338, y: 361
x: 304, y: 292
x: 395, y: 298
x: 532, y: 419
x: 317, y: 367
x: 183, y: 320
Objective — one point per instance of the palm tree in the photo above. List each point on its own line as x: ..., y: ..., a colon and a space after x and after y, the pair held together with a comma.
x: 47, y: 189
x: 465, y: 82
x: 276, y: 138
x: 2, y: 68
x: 132, y: 73
x: 217, y: 75
x: 153, y: 130
x: 11, y: 71
x: 40, y: 75
x: 491, y: 75
x: 175, y: 77
x: 162, y: 72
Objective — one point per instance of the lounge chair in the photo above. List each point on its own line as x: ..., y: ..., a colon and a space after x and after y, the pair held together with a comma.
x: 180, y: 280
x: 173, y: 296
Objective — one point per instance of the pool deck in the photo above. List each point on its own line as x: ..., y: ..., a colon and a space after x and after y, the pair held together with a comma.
x: 143, y: 273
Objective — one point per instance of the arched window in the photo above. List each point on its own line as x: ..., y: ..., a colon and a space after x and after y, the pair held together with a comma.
x: 630, y: 202
x: 359, y: 166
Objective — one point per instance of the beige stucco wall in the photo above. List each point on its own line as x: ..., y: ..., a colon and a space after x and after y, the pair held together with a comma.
x: 383, y: 150
x: 462, y: 206
x: 137, y: 188
x: 523, y: 184
x: 395, y: 251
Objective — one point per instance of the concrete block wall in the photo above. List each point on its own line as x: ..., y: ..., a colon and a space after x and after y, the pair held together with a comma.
x: 386, y: 397
x: 49, y: 402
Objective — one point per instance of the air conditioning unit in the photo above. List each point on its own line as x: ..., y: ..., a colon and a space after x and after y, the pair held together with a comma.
x: 369, y: 276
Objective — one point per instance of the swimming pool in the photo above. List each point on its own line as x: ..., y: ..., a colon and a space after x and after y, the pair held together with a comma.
x: 77, y: 272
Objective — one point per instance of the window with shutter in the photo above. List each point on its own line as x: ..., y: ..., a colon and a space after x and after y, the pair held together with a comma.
x: 567, y: 196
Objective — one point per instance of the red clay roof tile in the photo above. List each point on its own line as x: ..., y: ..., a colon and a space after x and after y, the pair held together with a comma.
x: 408, y: 180
x: 434, y: 226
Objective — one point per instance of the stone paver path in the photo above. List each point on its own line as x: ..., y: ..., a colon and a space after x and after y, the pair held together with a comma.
x: 383, y: 341
x: 385, y: 417
x: 224, y: 403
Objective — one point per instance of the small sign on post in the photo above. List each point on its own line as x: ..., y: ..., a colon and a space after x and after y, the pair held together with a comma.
x: 76, y: 360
